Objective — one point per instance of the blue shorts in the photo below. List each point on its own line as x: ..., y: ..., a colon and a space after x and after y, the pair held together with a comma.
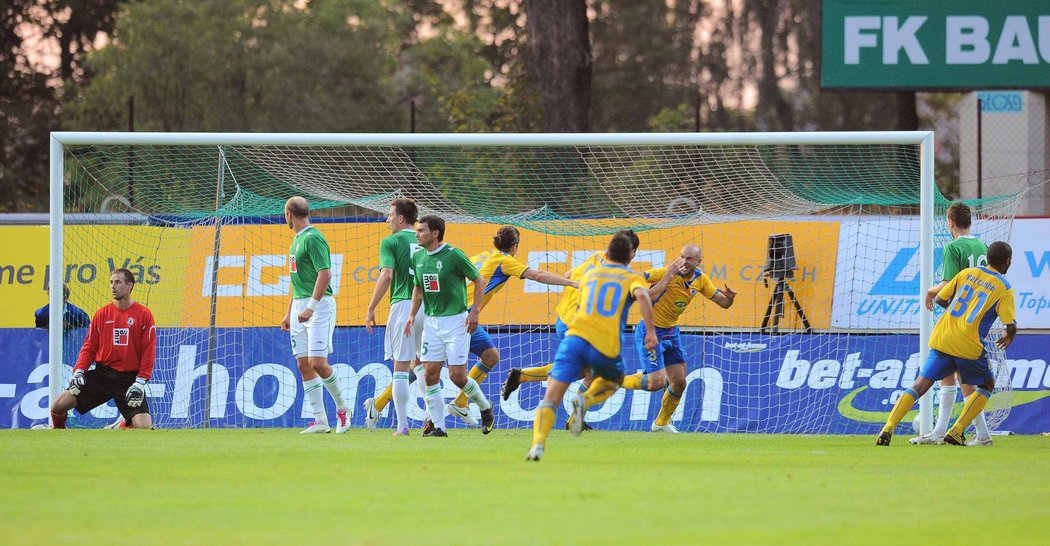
x: 575, y: 353
x: 560, y: 328
x: 480, y: 341
x: 668, y: 353
x: 972, y: 372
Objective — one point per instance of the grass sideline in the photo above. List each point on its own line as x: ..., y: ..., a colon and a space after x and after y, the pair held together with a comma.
x: 273, y: 486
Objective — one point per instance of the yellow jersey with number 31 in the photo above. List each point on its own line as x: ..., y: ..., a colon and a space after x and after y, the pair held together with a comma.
x: 978, y: 296
x: 606, y: 294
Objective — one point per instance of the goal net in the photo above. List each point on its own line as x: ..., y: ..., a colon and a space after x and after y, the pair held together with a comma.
x: 818, y: 234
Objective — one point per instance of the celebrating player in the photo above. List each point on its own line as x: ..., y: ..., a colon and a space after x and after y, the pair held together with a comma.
x: 974, y: 299
x: 122, y: 342
x: 593, y: 340
x: 497, y: 266
x: 311, y: 316
x: 441, y: 275
x: 395, y: 272
x: 666, y: 364
x: 964, y: 251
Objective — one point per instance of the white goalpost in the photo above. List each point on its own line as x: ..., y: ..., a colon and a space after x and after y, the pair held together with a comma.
x: 198, y: 214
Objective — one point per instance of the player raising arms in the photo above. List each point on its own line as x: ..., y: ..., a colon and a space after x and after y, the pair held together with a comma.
x: 593, y: 340
x: 311, y: 316
x: 666, y: 364
x: 441, y: 275
x: 395, y: 273
x: 974, y: 299
x: 497, y: 266
x: 964, y: 251
x: 122, y: 343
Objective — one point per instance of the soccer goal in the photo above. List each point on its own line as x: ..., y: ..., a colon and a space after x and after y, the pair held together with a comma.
x: 828, y: 239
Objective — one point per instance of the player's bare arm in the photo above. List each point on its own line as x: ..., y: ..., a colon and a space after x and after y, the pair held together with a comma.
x: 932, y: 293
x: 725, y: 297
x: 417, y: 300
x: 1008, y: 338
x: 324, y: 276
x: 475, y: 311
x: 645, y: 306
x: 658, y: 289
x: 386, y: 276
x: 546, y: 277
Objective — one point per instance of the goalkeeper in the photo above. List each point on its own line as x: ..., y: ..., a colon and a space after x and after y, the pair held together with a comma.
x: 122, y: 342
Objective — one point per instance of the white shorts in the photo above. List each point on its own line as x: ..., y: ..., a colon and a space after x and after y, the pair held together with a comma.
x: 314, y: 338
x: 396, y: 345
x: 446, y: 339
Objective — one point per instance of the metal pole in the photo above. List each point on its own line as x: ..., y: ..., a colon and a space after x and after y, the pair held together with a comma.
x: 55, y: 301
x: 980, y: 177
x: 214, y: 285
x: 926, y: 203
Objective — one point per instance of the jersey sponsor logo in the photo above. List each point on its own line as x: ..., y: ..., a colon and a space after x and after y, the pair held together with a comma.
x: 120, y: 336
x: 431, y: 283
x: 291, y: 264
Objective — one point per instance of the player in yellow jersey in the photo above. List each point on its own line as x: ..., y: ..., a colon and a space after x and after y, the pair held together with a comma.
x: 665, y: 367
x: 593, y: 340
x: 566, y: 310
x: 974, y: 299
x: 497, y: 266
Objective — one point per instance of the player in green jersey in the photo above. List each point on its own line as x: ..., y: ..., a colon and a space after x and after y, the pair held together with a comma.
x: 441, y: 272
x: 311, y: 316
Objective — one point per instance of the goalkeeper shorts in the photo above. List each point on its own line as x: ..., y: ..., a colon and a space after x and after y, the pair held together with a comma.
x: 103, y: 384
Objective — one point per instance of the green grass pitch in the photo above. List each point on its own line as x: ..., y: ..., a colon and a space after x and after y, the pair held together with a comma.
x: 273, y: 486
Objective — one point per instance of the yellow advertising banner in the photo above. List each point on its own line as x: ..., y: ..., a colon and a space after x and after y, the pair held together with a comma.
x: 246, y: 274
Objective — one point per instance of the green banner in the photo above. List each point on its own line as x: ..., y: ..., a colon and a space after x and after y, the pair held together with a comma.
x: 935, y: 44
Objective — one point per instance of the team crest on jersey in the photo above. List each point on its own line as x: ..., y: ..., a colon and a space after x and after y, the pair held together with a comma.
x: 440, y: 265
x: 431, y: 282
x: 291, y: 264
x: 120, y: 336
x: 131, y: 321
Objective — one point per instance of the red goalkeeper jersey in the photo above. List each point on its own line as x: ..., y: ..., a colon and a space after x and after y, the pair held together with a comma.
x: 125, y: 341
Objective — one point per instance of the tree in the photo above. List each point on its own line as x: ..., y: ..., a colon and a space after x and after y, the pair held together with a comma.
x: 557, y: 61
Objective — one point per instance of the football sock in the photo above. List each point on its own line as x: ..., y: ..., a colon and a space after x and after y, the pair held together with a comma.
x: 541, y: 427
x: 399, y: 386
x: 538, y: 373
x: 473, y: 391
x: 316, y: 397
x: 384, y: 398
x: 946, y: 403
x: 478, y: 373
x: 58, y: 420
x: 667, y: 406
x: 900, y: 409
x: 982, y: 426
x: 599, y: 391
x: 331, y: 384
x: 435, y: 405
x: 421, y: 384
x: 635, y: 381
x: 975, y: 404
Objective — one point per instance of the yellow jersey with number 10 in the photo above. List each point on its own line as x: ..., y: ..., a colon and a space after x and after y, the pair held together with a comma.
x: 978, y: 296
x: 606, y: 294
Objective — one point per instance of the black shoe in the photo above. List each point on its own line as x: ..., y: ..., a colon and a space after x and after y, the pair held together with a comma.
x: 512, y: 383
x: 585, y: 426
x: 487, y: 421
x: 428, y: 427
x: 952, y: 440
x: 884, y: 439
x: 436, y: 433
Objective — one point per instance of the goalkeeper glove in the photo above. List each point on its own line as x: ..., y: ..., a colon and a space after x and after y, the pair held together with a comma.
x: 136, y: 393
x: 76, y: 383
